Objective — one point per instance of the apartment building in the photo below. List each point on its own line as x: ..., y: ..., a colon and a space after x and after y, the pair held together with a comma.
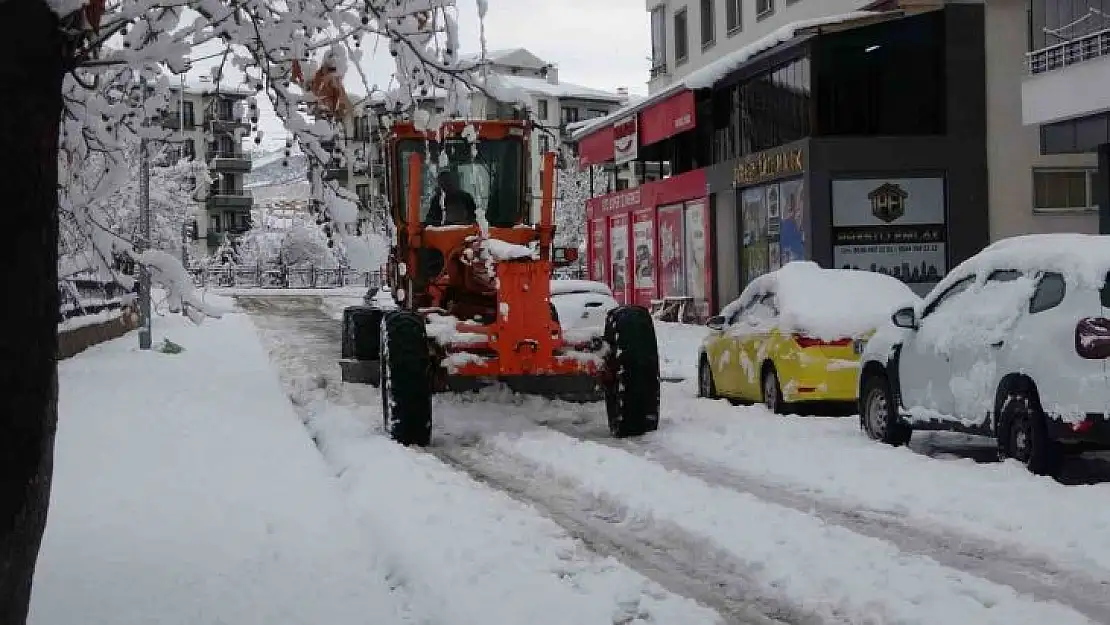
x: 209, y: 125
x: 1065, y: 105
x: 853, y: 140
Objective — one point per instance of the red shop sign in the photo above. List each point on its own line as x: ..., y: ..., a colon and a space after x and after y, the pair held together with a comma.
x: 668, y: 118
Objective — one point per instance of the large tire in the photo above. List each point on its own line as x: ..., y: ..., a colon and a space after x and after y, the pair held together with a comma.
x: 706, y: 386
x: 878, y: 412
x: 1023, y: 434
x: 361, y: 333
x: 406, y: 378
x: 772, y: 390
x: 632, y: 387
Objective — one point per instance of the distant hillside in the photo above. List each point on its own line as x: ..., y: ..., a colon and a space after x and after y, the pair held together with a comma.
x: 267, y: 169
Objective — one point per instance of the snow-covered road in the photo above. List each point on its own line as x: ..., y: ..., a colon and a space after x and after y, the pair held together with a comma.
x: 525, y: 509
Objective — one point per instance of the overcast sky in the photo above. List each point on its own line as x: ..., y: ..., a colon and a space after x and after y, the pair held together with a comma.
x: 602, y: 44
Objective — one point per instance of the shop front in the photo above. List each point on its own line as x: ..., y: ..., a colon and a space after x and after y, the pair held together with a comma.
x: 652, y: 242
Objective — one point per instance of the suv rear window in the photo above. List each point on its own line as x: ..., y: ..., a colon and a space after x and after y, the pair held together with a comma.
x: 1104, y: 294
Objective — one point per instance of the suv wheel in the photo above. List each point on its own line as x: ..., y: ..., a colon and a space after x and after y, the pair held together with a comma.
x: 878, y: 412
x: 1023, y: 435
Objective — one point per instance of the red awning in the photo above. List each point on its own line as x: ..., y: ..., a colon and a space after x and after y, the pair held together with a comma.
x: 667, y: 118
x: 596, y: 148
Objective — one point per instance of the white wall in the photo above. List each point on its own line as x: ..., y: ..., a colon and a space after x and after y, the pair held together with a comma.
x: 751, y: 29
x: 1013, y: 149
x: 1074, y: 91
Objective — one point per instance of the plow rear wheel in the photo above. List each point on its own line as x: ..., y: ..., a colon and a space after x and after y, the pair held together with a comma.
x: 406, y: 380
x: 632, y: 391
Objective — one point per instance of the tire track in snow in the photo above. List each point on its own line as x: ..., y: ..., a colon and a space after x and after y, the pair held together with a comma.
x: 670, y: 557
x: 1030, y: 574
x: 594, y: 524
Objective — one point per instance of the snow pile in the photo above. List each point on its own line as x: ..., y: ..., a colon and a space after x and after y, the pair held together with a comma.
x: 678, y: 349
x: 187, y: 493
x: 829, y: 303
x: 501, y: 250
x: 443, y: 329
x: 981, y: 315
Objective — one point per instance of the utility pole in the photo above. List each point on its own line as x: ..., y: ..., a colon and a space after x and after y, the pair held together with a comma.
x: 144, y: 243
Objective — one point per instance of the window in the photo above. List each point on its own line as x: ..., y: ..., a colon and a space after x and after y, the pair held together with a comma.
x: 595, y: 113
x: 658, y: 41
x: 1063, y: 190
x: 1104, y: 294
x: 1048, y: 294
x: 363, y: 192
x: 952, y: 291
x: 1004, y: 275
x: 545, y: 144
x: 708, y: 36
x: 491, y: 174
x: 733, y: 16
x: 190, y: 119
x: 214, y: 223
x: 541, y: 110
x: 763, y: 8
x: 570, y: 114
x: 681, y: 43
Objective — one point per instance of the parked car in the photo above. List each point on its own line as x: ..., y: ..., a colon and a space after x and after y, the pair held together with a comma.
x: 1012, y: 344
x: 581, y: 305
x: 794, y: 335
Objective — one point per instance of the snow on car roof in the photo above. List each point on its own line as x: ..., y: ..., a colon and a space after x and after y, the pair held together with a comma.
x: 830, y: 303
x: 561, y: 287
x: 1082, y: 258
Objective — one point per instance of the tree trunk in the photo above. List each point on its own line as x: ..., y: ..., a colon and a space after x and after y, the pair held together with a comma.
x: 32, y: 66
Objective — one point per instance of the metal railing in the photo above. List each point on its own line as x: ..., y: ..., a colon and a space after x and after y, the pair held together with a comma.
x: 87, y: 295
x: 1068, y: 53
x: 262, y: 277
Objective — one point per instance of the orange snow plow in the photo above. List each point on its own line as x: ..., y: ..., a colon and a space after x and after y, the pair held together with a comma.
x: 470, y: 280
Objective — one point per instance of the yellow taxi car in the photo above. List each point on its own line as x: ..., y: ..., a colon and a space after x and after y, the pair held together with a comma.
x: 795, y: 335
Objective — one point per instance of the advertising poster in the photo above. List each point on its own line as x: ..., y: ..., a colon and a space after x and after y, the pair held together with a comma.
x: 698, y: 274
x: 754, y: 211
x: 618, y: 258
x: 598, y: 251
x: 774, y: 254
x: 643, y: 254
x: 792, y: 242
x: 672, y: 251
x: 894, y: 226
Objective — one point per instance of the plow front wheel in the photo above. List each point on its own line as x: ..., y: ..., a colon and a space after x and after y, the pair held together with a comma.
x: 632, y: 394
x: 406, y: 378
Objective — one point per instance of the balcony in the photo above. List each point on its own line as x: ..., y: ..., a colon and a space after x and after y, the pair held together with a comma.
x: 230, y: 162
x: 223, y: 123
x: 657, y: 70
x: 1067, y: 80
x: 172, y: 121
x: 240, y: 200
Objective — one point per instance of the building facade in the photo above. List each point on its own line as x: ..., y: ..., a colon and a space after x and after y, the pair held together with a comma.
x: 1065, y: 101
x: 852, y: 141
x: 209, y: 124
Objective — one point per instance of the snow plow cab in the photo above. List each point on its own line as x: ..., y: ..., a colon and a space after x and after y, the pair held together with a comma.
x: 470, y: 278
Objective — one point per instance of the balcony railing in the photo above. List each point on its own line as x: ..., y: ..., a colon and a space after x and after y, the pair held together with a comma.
x: 230, y: 161
x: 1068, y: 53
x: 658, y: 70
x: 230, y: 199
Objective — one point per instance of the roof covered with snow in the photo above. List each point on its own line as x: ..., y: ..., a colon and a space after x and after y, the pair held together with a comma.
x: 511, y: 57
x: 542, y: 87
x: 705, y: 77
x: 829, y: 303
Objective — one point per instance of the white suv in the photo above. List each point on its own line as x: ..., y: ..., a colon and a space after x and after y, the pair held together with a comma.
x: 1013, y: 344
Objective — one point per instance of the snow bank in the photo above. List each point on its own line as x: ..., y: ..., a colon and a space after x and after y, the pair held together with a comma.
x: 187, y: 493
x: 830, y: 303
x: 678, y: 349
x: 73, y: 323
x: 831, y: 459
x: 832, y: 572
